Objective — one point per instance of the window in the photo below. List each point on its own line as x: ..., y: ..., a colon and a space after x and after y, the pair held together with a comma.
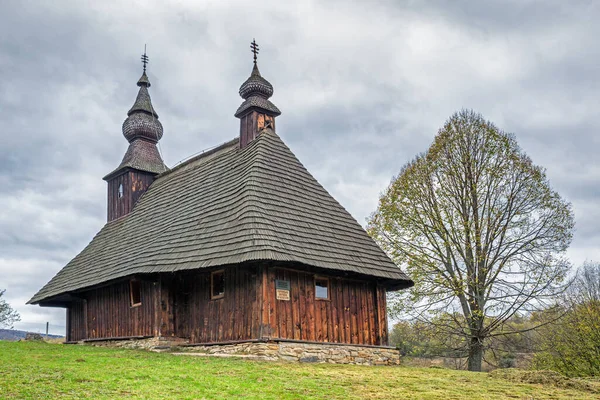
x: 322, y: 288
x: 217, y: 284
x: 135, y: 292
x: 120, y: 191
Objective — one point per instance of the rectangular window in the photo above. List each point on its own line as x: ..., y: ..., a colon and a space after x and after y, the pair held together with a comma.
x: 322, y: 288
x: 135, y: 292
x: 217, y: 284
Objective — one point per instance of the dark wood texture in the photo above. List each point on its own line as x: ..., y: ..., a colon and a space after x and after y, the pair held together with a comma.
x: 106, y: 313
x: 354, y: 313
x: 135, y: 183
x: 76, y: 321
x: 167, y: 306
x: 179, y: 305
x: 382, y: 315
x: 235, y: 316
x: 252, y: 123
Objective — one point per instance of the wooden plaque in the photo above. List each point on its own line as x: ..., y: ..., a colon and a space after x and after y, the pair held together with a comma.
x: 282, y: 289
x: 283, y: 294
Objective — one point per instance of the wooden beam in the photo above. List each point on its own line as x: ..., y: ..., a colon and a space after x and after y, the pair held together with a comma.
x: 265, y: 331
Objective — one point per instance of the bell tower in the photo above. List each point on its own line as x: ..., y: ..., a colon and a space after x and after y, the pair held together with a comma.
x: 142, y: 161
x: 256, y: 112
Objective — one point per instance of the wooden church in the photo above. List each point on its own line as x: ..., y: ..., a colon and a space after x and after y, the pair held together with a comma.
x: 240, y: 243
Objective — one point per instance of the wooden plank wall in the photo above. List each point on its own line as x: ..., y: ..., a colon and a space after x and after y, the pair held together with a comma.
x: 134, y: 186
x: 246, y: 128
x: 166, y: 305
x: 109, y: 313
x: 236, y: 316
x: 76, y: 321
x: 382, y: 314
x: 180, y: 305
x: 354, y: 313
x: 251, y: 124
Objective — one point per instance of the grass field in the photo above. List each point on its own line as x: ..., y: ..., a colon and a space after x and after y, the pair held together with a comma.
x: 42, y: 370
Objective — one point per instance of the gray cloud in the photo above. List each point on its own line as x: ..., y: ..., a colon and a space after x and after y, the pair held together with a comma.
x: 363, y: 89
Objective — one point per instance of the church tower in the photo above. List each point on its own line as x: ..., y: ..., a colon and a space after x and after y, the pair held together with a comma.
x: 142, y: 161
x: 256, y: 112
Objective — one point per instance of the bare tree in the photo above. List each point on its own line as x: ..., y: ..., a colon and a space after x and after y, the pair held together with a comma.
x: 478, y: 228
x: 8, y: 316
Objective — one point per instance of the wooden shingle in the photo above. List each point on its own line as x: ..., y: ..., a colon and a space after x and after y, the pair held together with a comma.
x: 226, y: 207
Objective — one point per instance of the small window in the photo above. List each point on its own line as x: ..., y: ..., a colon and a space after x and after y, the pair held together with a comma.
x: 322, y: 288
x: 135, y: 292
x: 217, y: 284
x: 120, y: 191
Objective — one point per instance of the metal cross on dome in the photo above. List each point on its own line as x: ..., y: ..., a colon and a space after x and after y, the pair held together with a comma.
x: 144, y: 58
x: 254, y: 48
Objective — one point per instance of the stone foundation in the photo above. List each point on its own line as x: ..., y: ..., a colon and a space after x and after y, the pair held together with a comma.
x: 140, y: 344
x: 300, y: 352
x: 268, y: 350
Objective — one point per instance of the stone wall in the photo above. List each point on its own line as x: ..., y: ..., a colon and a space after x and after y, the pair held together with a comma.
x: 142, y: 344
x: 301, y: 352
x: 269, y: 351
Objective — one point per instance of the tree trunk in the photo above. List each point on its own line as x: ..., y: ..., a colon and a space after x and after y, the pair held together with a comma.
x: 475, y: 354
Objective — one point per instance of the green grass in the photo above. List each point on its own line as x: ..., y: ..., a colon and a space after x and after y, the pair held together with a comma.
x: 42, y: 370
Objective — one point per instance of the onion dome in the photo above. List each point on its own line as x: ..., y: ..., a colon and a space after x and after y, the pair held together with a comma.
x: 256, y: 91
x: 256, y: 85
x: 143, y: 130
x: 142, y: 121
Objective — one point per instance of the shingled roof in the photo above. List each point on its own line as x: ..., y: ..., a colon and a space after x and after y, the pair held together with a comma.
x: 226, y: 207
x: 143, y: 130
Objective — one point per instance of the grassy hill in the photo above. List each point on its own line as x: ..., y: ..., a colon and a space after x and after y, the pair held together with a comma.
x: 42, y: 370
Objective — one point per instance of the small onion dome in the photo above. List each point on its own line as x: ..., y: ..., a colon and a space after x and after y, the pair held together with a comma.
x: 142, y: 121
x: 256, y: 91
x: 256, y: 85
x: 142, y: 125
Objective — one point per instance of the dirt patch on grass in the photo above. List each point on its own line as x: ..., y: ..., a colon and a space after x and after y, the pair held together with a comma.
x: 545, y: 377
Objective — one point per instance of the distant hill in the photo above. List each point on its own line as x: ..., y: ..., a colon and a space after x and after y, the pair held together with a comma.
x: 13, y: 335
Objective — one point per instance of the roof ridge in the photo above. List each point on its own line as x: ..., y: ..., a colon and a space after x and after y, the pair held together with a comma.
x: 203, y: 154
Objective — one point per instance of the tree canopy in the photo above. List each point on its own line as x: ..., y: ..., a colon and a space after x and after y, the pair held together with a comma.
x: 478, y: 228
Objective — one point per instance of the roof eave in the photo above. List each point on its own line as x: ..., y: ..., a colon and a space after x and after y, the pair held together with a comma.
x: 246, y: 107
x: 393, y: 285
x: 59, y: 300
x: 125, y: 168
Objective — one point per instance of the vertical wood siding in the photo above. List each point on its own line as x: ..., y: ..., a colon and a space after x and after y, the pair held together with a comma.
x: 251, y: 124
x: 134, y: 184
x: 382, y: 315
x: 166, y: 308
x: 235, y: 316
x: 180, y: 305
x: 76, y: 321
x: 109, y: 313
x: 354, y: 313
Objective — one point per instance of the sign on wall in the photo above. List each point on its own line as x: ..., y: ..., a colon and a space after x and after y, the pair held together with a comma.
x: 282, y: 289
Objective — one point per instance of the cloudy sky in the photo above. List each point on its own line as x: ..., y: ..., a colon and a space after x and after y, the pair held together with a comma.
x: 363, y: 87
